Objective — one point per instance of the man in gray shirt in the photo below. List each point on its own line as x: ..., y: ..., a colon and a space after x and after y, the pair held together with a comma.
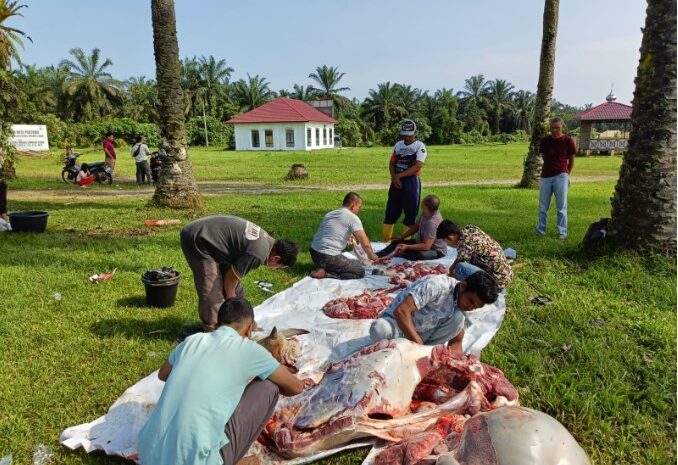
x: 332, y: 237
x: 221, y: 250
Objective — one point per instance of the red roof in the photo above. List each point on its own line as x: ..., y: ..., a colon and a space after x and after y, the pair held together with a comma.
x: 282, y: 110
x: 606, y: 112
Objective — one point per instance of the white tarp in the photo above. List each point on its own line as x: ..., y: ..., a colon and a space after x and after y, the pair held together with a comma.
x: 299, y: 306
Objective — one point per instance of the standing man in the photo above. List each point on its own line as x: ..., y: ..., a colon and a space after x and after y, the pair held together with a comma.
x: 109, y: 151
x: 407, y: 159
x: 221, y: 250
x: 558, y: 151
x: 431, y: 311
x: 428, y: 246
x: 476, y: 250
x: 332, y: 237
x: 209, y: 412
x: 140, y: 153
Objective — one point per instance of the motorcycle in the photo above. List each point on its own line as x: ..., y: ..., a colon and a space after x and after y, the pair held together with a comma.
x: 156, y: 164
x: 101, y: 173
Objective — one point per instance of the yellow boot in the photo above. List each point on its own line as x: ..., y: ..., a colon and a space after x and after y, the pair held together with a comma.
x: 405, y: 228
x: 386, y: 232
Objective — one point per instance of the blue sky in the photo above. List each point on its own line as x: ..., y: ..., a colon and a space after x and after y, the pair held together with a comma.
x: 428, y: 44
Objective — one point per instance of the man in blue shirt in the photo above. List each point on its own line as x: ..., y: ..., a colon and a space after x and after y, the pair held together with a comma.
x: 209, y: 412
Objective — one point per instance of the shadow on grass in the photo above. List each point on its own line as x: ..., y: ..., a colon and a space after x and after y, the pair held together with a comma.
x: 167, y: 328
x: 135, y: 301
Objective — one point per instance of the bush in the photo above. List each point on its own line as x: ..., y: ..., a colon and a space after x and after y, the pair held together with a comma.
x: 389, y: 136
x: 219, y: 134
x: 125, y: 130
x: 349, y: 132
x: 58, y: 132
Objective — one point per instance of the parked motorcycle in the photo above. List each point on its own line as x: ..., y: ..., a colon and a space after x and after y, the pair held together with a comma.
x: 156, y: 164
x: 98, y: 169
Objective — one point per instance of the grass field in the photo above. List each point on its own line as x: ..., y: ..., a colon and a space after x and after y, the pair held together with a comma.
x: 601, y: 359
x: 349, y: 166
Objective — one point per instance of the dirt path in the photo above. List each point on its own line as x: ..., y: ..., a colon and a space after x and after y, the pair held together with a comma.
x: 226, y: 187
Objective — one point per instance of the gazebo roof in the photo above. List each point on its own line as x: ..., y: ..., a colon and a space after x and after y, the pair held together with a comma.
x: 608, y: 111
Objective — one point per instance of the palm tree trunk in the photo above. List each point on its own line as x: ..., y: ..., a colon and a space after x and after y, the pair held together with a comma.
x: 542, y: 105
x: 644, y: 203
x: 177, y: 187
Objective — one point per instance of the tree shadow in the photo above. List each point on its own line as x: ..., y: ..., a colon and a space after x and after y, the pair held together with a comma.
x: 135, y: 301
x: 167, y: 328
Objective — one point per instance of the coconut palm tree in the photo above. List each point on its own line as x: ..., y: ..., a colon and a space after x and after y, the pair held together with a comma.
x: 383, y: 105
x: 177, y: 187
x: 252, y: 92
x: 90, y: 88
x: 11, y: 39
x: 499, y: 93
x: 542, y: 105
x: 644, y: 203
x: 523, y: 106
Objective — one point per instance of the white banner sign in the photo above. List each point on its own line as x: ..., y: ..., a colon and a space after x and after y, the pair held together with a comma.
x: 29, y: 137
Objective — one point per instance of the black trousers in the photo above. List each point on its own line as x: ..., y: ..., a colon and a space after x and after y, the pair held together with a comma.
x: 338, y: 266
x: 410, y: 255
x: 143, y: 172
x: 3, y: 197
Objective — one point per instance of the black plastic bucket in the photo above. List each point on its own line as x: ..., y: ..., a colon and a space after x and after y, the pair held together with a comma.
x: 161, y: 294
x: 28, y: 221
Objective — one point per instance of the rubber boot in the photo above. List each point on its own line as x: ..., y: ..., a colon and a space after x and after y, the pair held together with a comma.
x: 386, y: 232
x: 405, y: 228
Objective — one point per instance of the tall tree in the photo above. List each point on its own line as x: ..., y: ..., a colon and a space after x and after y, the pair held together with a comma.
x: 474, y: 90
x: 327, y: 79
x: 499, y: 93
x: 542, y: 105
x: 177, y: 187
x: 523, y: 106
x: 383, y: 105
x: 11, y: 39
x: 90, y: 88
x: 644, y: 203
x: 140, y: 100
x: 252, y: 92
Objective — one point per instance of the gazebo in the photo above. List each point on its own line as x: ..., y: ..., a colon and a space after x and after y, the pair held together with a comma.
x: 610, y: 113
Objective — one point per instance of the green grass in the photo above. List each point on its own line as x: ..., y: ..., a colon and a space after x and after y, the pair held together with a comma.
x: 350, y: 166
x: 601, y: 359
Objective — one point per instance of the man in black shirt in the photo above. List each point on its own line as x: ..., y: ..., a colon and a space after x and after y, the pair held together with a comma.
x: 221, y: 250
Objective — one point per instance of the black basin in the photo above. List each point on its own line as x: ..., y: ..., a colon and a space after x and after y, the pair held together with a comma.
x: 28, y: 221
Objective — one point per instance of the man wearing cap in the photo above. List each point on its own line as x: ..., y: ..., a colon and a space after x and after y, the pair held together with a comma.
x: 407, y: 159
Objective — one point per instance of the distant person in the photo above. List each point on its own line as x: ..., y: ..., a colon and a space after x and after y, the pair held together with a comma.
x: 3, y: 199
x: 427, y: 246
x: 109, y: 151
x: 221, y: 250
x: 431, y: 310
x: 336, y: 229
x: 221, y: 388
x: 84, y: 177
x: 558, y: 152
x: 406, y: 161
x: 140, y: 153
x: 476, y: 250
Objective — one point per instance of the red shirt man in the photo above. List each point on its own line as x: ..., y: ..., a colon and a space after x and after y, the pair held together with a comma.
x: 109, y: 151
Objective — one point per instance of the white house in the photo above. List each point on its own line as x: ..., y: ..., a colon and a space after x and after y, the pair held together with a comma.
x: 283, y: 124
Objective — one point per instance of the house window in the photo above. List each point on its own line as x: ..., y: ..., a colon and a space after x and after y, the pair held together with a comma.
x: 255, y: 138
x: 268, y: 138
x: 331, y: 136
x: 289, y: 137
x: 325, y: 140
x: 317, y: 136
x: 309, y: 137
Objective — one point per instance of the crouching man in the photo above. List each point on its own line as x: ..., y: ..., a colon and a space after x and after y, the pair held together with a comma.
x: 209, y: 411
x: 431, y: 311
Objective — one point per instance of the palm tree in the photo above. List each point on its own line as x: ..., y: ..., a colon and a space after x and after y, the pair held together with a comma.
x: 383, y: 105
x: 300, y: 92
x: 213, y: 77
x: 410, y: 100
x: 327, y: 78
x: 177, y: 187
x: 474, y: 90
x: 644, y: 203
x: 523, y: 105
x: 10, y: 37
x: 499, y: 93
x: 542, y: 105
x: 90, y: 88
x: 252, y: 92
x: 140, y: 99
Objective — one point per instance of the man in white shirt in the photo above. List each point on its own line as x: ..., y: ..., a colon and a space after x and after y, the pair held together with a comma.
x: 332, y: 237
x: 407, y: 159
x: 140, y: 153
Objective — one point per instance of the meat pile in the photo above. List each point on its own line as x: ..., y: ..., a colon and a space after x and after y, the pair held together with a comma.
x: 408, y: 272
x: 367, y: 305
x: 371, y: 393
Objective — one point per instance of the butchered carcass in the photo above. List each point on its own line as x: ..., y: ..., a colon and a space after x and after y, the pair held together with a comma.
x: 370, y: 394
x: 366, y: 305
x: 504, y: 436
x: 404, y: 274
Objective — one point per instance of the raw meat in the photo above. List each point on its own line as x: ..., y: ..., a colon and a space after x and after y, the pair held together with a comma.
x: 406, y: 273
x: 367, y: 305
x: 369, y: 394
x: 506, y: 436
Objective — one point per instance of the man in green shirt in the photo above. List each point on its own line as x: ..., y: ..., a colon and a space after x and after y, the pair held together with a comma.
x: 221, y: 250
x: 208, y: 414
